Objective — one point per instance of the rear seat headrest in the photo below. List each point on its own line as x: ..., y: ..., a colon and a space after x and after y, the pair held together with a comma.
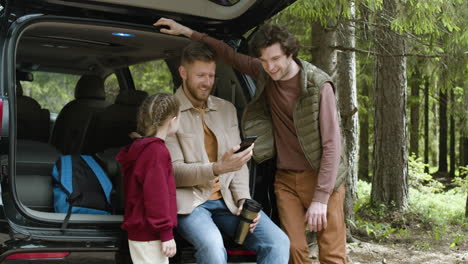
x: 90, y: 87
x: 131, y: 97
x: 19, y: 89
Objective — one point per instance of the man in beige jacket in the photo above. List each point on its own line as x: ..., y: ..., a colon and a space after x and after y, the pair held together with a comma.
x: 212, y: 180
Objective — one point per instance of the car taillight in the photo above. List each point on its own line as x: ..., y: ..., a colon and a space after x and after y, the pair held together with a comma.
x: 39, y: 255
x: 239, y: 252
x: 4, y: 117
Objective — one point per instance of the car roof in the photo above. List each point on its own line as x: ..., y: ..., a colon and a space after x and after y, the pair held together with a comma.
x: 80, y: 48
x: 220, y: 18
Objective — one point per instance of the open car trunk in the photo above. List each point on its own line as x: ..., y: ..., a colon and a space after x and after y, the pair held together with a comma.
x: 219, y: 17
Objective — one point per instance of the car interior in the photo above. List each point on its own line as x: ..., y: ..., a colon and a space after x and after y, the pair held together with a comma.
x: 91, y: 122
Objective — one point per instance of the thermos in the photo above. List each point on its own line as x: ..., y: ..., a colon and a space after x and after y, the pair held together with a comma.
x: 248, y: 214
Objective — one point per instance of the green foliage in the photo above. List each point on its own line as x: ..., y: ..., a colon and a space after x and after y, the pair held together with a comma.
x: 373, y: 229
x: 427, y: 199
x: 433, y: 211
x: 54, y: 90
x: 51, y: 90
x: 363, y: 195
x: 324, y: 11
x: 420, y: 180
x: 111, y: 85
x: 152, y: 77
x: 428, y: 17
x: 439, y: 209
x: 372, y: 226
x: 462, y: 180
x: 363, y: 107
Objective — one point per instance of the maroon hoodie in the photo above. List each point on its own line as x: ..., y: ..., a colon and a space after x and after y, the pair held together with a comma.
x: 150, y: 191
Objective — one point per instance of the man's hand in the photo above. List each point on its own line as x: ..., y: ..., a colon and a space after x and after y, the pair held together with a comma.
x: 316, y: 217
x: 232, y: 161
x: 254, y: 224
x: 169, y: 248
x: 174, y: 28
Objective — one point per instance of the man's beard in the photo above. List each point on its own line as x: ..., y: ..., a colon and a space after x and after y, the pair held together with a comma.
x: 193, y: 91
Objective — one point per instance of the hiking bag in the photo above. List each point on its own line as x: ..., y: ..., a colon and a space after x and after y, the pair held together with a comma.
x: 80, y: 187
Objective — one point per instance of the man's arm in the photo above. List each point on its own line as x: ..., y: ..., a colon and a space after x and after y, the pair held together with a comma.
x: 331, y: 145
x: 241, y: 62
x: 193, y: 174
x: 316, y: 215
x: 187, y: 174
x: 240, y: 183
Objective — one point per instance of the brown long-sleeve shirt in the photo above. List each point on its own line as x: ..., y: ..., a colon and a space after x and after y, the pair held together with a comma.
x: 282, y: 96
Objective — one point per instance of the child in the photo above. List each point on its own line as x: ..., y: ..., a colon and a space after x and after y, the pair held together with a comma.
x: 149, y: 184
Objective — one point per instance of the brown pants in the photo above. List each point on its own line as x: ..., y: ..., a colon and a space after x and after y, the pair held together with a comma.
x: 294, y: 192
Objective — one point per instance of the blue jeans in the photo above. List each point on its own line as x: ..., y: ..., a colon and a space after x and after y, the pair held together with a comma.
x: 203, y: 227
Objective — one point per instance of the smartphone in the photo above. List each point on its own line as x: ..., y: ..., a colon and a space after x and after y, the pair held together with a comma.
x: 247, y: 142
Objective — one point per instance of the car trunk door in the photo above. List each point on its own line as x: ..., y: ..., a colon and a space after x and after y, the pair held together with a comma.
x: 226, y: 18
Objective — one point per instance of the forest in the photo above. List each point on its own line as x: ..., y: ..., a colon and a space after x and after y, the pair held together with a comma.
x: 400, y: 68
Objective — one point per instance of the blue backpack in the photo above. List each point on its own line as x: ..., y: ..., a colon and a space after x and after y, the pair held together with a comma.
x: 80, y: 187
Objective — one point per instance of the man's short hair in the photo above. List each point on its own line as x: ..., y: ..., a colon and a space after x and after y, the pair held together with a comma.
x: 197, y: 51
x: 268, y: 35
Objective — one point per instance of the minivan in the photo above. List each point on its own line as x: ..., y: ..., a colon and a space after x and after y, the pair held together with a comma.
x: 72, y: 76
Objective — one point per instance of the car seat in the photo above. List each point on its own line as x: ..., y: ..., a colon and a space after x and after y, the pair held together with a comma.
x: 32, y: 120
x: 72, y: 121
x: 34, y: 163
x: 111, y: 127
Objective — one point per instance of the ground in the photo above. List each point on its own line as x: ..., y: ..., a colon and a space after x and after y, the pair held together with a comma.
x: 372, y: 253
x: 403, y: 253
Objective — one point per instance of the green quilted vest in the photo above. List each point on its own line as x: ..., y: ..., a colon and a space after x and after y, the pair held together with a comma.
x: 256, y: 120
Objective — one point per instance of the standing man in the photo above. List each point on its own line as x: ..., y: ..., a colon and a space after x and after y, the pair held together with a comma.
x: 295, y: 115
x: 212, y: 180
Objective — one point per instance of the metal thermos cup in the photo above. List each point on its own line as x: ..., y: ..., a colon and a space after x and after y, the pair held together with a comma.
x: 249, y: 212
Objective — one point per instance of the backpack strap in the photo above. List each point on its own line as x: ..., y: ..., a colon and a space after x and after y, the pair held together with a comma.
x: 70, y: 201
x: 67, y: 183
x: 65, y: 178
x: 105, y: 182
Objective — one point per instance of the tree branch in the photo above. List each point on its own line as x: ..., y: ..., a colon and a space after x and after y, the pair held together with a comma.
x: 342, y: 48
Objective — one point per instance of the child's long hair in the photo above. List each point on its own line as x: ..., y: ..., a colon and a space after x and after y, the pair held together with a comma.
x: 153, y: 112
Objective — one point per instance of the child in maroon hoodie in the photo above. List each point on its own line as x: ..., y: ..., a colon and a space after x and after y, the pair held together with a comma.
x: 149, y: 184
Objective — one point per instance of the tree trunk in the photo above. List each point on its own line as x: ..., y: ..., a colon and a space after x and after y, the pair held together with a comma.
x: 323, y: 56
x: 465, y: 162
x: 347, y: 98
x: 466, y: 206
x: 426, y: 124
x: 453, y: 160
x: 414, y: 113
x: 443, y: 124
x: 464, y: 142
x: 390, y: 169
x: 464, y: 134
x: 364, y: 156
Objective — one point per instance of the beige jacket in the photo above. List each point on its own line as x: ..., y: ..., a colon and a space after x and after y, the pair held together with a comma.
x: 193, y: 171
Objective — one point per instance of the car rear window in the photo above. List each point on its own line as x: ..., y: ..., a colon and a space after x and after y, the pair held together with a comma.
x: 152, y: 77
x: 51, y: 90
x: 112, y: 88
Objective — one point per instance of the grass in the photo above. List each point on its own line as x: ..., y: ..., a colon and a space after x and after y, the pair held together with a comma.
x: 445, y: 208
x: 432, y: 217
